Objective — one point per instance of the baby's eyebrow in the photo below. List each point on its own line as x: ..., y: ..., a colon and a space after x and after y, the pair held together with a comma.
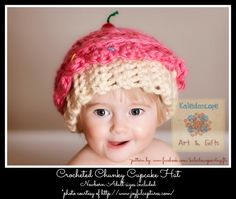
x: 91, y: 104
x: 141, y: 104
x: 107, y: 104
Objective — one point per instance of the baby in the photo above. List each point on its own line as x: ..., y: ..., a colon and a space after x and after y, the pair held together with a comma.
x: 117, y: 85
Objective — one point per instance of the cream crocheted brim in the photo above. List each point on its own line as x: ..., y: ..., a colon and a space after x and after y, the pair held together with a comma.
x: 151, y: 76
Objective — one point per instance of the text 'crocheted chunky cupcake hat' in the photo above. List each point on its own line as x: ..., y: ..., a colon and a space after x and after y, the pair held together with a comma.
x: 112, y: 58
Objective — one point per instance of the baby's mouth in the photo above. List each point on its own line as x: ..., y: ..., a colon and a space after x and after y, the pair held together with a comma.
x: 117, y: 144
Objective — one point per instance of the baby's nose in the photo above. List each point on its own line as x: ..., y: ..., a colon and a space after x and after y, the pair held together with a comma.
x: 119, y: 124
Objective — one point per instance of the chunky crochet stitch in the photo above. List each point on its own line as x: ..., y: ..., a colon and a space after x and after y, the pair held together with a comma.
x: 116, y: 58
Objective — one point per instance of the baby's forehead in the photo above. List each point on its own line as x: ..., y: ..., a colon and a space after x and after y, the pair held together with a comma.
x: 135, y: 95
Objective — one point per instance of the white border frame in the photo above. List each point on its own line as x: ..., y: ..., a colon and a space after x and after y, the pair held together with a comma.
x: 117, y: 166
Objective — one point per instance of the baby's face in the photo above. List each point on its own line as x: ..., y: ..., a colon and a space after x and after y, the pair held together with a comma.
x: 117, y: 129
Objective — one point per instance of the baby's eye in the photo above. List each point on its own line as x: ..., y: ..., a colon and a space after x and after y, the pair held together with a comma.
x: 136, y: 111
x: 102, y: 112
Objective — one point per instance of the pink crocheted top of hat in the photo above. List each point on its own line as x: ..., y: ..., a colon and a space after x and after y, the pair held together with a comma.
x: 112, y: 58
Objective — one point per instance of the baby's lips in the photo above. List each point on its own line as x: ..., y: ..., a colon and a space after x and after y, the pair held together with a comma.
x: 115, y: 143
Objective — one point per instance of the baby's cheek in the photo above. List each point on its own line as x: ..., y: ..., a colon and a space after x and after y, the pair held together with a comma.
x: 144, y: 132
x: 98, y: 131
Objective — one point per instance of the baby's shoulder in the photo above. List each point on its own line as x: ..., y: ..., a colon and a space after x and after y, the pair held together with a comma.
x: 163, y: 151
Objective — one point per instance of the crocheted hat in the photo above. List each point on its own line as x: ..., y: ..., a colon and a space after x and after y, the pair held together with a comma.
x: 112, y: 58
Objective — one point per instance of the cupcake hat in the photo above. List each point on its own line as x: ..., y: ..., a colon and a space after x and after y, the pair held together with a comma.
x: 112, y: 58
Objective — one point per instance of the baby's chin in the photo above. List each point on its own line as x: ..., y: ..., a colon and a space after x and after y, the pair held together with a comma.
x: 118, y: 158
